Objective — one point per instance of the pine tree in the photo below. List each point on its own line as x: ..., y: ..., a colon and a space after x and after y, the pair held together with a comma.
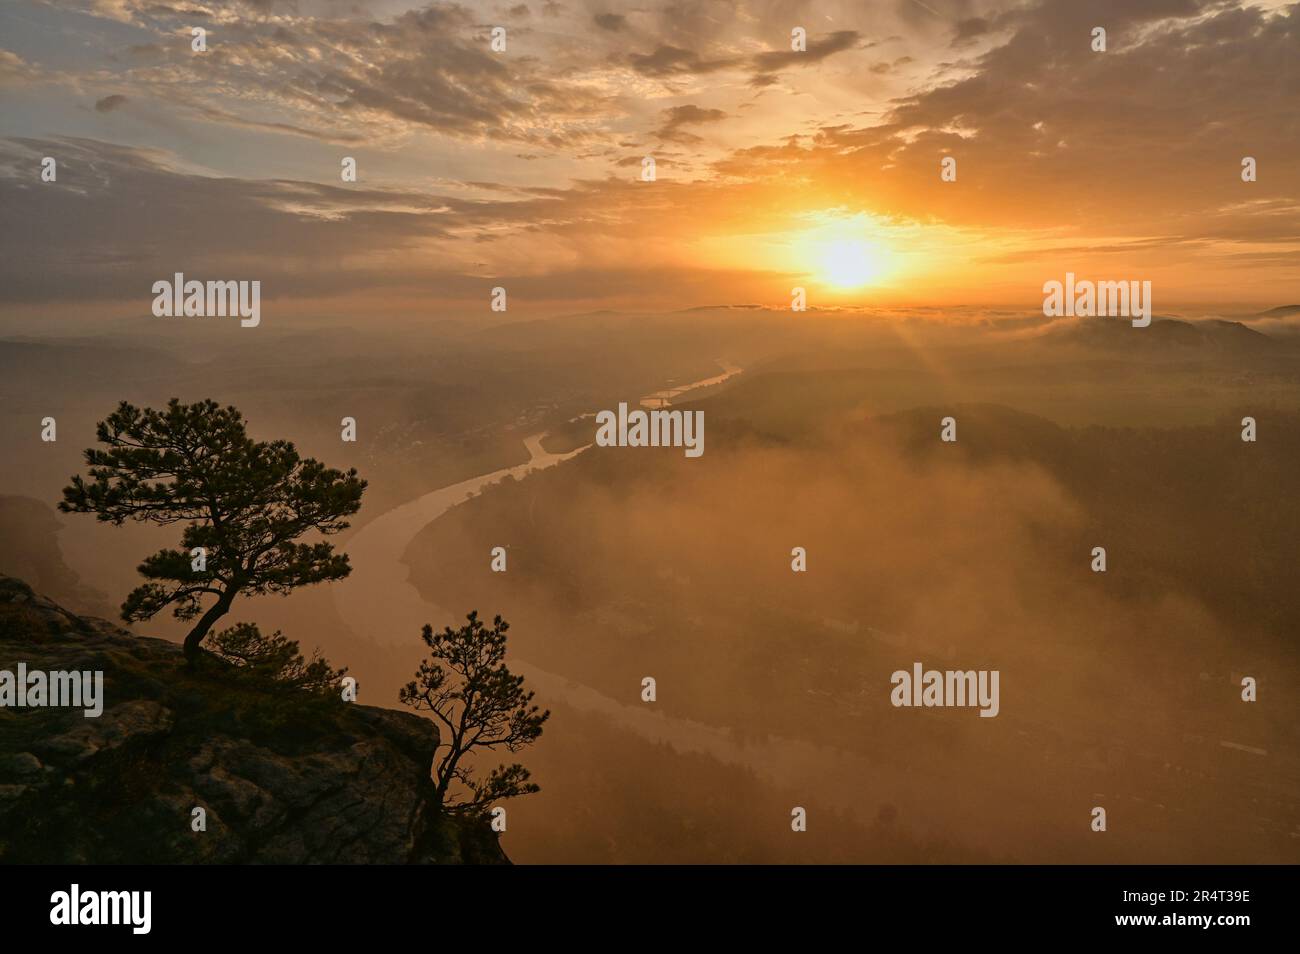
x: 244, y: 504
x: 481, y: 704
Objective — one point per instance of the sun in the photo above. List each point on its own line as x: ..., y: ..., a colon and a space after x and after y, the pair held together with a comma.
x: 844, y: 252
x: 844, y: 256
x: 848, y: 263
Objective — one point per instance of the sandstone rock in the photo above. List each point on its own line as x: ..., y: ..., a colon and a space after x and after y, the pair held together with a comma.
x: 282, y: 778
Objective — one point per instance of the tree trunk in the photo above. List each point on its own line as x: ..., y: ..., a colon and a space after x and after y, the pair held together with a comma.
x: 214, y: 613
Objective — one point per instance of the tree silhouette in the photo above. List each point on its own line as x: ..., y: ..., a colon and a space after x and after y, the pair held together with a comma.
x: 482, y: 705
x: 274, y: 659
x: 245, y: 504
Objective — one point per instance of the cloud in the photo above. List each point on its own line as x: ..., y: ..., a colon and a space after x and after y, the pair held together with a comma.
x: 1142, y: 140
x: 969, y: 30
x: 15, y: 71
x: 818, y: 49
x: 109, y: 103
x: 674, y: 61
x: 1061, y: 152
x: 353, y: 77
x: 667, y: 60
x: 91, y: 234
x: 690, y: 115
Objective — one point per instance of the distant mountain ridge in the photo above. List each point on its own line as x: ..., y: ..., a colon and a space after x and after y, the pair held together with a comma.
x: 1214, y: 334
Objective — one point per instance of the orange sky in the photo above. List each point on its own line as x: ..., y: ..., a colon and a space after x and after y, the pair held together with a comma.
x: 774, y: 167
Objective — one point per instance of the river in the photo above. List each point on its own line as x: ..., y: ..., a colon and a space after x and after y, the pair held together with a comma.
x: 378, y: 602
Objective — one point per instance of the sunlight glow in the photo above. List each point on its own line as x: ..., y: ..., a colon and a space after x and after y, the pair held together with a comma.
x: 843, y: 252
x: 848, y: 263
x: 844, y: 256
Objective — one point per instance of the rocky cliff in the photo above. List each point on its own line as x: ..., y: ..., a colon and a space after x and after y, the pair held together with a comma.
x: 282, y: 777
